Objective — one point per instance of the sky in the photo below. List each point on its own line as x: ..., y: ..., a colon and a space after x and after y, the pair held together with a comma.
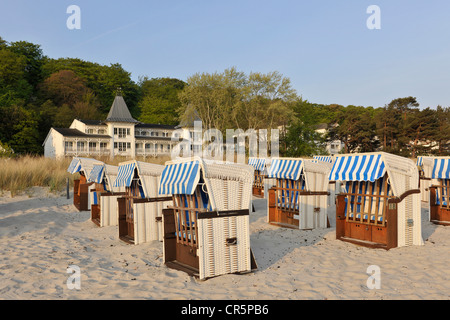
x: 323, y: 46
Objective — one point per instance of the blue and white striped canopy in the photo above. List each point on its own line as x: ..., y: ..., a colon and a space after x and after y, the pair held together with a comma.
x: 419, y: 161
x: 75, y: 166
x: 96, y: 174
x: 441, y: 169
x: 369, y: 167
x: 180, y: 178
x: 257, y: 163
x: 125, y: 175
x: 285, y: 169
x: 324, y: 158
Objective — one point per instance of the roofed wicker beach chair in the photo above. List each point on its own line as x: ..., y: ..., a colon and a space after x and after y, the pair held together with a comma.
x: 206, y: 232
x: 334, y: 187
x: 260, y: 181
x: 81, y: 187
x: 139, y: 211
x: 425, y: 166
x: 380, y: 204
x: 440, y: 191
x: 299, y: 199
x: 104, y: 209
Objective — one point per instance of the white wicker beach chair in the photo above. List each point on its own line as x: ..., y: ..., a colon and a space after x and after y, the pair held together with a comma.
x: 82, y: 187
x: 425, y: 166
x: 141, y: 209
x: 380, y: 204
x: 439, y: 191
x: 299, y: 199
x: 104, y: 209
x: 206, y: 233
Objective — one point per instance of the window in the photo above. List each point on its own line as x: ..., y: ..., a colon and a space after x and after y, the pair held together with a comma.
x: 122, y: 146
x: 121, y: 132
x: 68, y: 145
x: 81, y: 146
x: 101, y: 131
x: 92, y: 146
x: 90, y: 131
x: 103, y: 146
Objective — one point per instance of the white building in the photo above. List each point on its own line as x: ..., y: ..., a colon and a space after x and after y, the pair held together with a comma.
x: 118, y: 135
x: 333, y: 146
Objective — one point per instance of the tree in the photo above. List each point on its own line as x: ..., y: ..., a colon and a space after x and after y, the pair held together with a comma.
x: 356, y: 128
x: 160, y: 101
x: 33, y: 57
x: 214, y: 98
x: 442, y: 134
x: 234, y: 100
x: 420, y: 128
x: 63, y: 87
x: 301, y: 138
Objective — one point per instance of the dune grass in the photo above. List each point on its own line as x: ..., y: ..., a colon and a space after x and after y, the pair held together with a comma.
x: 21, y: 173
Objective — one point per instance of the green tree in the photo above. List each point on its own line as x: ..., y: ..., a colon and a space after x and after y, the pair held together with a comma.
x: 160, y: 101
x: 301, y: 138
x: 34, y: 60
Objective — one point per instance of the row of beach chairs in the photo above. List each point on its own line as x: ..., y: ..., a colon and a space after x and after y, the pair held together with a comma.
x: 200, y: 209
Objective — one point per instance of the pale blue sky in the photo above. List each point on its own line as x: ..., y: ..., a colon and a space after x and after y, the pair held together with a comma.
x: 323, y: 46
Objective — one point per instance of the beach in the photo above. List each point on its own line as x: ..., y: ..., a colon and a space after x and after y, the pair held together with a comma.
x: 42, y: 234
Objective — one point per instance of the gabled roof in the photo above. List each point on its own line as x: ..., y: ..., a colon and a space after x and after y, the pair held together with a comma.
x: 68, y: 132
x: 119, y: 112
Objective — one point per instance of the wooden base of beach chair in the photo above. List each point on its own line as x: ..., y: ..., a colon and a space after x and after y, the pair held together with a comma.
x: 439, y: 214
x: 366, y: 233
x: 95, y: 214
x: 81, y: 195
x: 126, y: 229
x: 258, y: 192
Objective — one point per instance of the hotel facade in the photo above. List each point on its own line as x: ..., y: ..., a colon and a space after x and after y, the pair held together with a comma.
x: 118, y: 135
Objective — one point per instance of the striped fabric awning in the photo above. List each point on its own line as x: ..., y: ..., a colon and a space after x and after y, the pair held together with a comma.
x: 441, y: 169
x: 75, y: 166
x: 257, y: 163
x: 324, y: 158
x: 285, y: 169
x: 180, y: 178
x: 358, y: 168
x: 125, y: 175
x: 96, y: 174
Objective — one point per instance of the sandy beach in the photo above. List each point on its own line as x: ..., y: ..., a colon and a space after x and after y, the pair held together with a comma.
x: 42, y: 234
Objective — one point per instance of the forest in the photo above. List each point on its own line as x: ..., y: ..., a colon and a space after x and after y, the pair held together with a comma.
x: 38, y: 92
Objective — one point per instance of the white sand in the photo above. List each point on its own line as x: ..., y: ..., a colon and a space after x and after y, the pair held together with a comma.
x: 40, y: 236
